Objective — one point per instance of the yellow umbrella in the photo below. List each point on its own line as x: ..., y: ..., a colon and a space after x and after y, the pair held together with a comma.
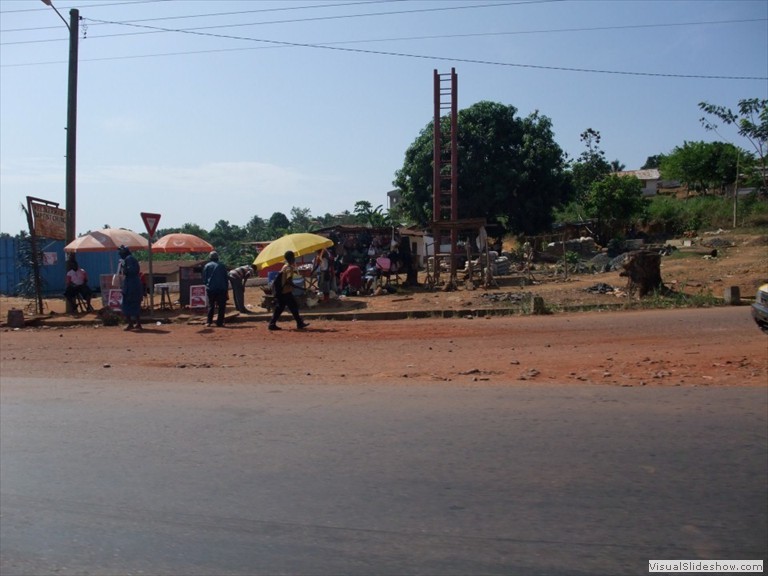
x: 299, y: 244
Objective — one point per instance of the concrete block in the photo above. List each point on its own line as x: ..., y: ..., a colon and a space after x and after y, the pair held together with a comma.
x: 732, y: 295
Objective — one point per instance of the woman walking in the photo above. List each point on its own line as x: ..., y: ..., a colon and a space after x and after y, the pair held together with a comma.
x: 132, y: 288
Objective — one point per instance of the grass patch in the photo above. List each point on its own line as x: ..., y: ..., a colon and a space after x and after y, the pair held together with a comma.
x: 666, y: 298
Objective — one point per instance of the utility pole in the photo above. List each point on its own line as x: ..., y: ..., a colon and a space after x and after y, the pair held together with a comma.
x: 71, y: 187
x: 71, y: 170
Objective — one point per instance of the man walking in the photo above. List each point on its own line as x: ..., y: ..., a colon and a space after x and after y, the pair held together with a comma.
x: 284, y: 295
x: 216, y: 287
x: 237, y: 278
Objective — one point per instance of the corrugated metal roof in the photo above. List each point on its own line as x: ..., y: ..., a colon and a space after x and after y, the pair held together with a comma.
x: 647, y: 174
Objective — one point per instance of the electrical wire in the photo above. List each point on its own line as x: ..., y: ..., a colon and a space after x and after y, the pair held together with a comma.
x: 336, y: 45
x: 404, y: 39
x: 219, y: 14
x: 86, y: 6
x: 290, y: 21
x: 454, y: 59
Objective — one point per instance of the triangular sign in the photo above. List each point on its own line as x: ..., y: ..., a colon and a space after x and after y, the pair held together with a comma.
x: 150, y: 221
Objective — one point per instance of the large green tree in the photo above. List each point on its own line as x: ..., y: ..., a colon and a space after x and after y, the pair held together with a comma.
x: 614, y: 202
x: 511, y: 170
x: 752, y: 122
x: 706, y: 167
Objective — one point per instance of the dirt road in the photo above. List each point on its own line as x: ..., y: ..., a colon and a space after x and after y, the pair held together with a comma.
x: 688, y: 347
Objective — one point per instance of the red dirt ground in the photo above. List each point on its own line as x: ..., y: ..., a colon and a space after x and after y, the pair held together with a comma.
x: 710, y: 346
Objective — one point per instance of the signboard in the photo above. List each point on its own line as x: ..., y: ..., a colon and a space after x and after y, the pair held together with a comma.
x: 150, y: 221
x: 197, y: 297
x: 50, y: 221
x: 115, y: 299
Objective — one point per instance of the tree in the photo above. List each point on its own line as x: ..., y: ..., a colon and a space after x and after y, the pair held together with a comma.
x: 591, y: 165
x: 257, y: 229
x: 617, y: 166
x: 511, y: 171
x: 704, y: 166
x: 327, y: 220
x: 752, y: 121
x: 228, y: 240
x: 375, y: 217
x: 278, y: 224
x: 653, y: 162
x: 614, y: 202
x: 301, y: 219
x: 187, y: 228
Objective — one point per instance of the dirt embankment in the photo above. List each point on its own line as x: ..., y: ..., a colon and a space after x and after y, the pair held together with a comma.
x: 706, y: 346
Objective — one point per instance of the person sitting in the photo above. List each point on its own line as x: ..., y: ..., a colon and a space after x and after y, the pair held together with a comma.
x: 351, y: 279
x: 394, y: 259
x: 371, y: 274
x: 323, y: 269
x: 77, y: 285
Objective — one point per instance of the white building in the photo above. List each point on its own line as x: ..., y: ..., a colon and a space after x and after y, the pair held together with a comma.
x: 651, y: 179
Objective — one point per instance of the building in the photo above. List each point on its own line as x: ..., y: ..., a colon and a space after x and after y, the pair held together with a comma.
x: 393, y: 199
x: 651, y: 179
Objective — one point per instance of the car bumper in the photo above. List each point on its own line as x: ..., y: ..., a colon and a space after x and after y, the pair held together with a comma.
x: 760, y: 314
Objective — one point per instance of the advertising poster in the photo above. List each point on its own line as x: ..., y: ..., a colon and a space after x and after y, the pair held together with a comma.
x: 115, y: 299
x: 197, y: 297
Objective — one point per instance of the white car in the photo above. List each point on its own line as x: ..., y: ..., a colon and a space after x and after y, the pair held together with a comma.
x: 760, y: 308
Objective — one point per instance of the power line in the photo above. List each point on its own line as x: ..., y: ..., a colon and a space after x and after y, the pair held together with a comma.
x: 136, y: 23
x: 406, y: 38
x: 336, y: 45
x: 219, y: 14
x: 86, y: 6
x: 452, y: 59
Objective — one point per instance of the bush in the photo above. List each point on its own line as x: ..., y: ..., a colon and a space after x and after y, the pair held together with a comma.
x: 671, y: 216
x: 663, y: 214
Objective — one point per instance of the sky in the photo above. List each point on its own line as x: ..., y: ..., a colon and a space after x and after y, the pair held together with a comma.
x: 204, y: 111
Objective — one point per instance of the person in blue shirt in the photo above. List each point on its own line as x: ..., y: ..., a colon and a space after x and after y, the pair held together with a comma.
x: 132, y: 288
x: 216, y: 280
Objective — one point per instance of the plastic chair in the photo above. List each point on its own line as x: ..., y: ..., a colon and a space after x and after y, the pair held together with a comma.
x: 385, y: 265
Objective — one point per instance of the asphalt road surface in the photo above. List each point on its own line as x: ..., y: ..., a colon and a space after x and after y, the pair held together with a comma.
x: 333, y: 479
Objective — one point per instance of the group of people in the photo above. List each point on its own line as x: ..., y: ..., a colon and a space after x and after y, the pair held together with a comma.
x: 217, y: 280
x: 345, y: 276
x: 332, y: 275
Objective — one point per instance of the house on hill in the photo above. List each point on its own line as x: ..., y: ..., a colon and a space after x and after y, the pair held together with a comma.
x: 651, y: 179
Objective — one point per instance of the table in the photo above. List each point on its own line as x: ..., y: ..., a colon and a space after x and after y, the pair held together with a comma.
x: 165, y: 296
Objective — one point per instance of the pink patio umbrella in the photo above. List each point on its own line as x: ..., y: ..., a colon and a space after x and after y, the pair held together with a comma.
x: 107, y: 240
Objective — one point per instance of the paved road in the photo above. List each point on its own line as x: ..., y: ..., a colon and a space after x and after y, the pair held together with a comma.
x: 329, y: 479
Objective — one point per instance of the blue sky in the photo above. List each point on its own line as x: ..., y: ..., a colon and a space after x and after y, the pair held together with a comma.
x: 222, y: 110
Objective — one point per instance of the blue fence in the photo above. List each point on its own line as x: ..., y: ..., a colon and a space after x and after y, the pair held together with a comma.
x: 53, y: 271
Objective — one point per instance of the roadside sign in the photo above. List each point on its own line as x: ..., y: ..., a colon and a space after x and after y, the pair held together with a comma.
x: 150, y: 221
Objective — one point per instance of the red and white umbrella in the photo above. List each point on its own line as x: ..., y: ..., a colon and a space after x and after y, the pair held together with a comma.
x: 180, y: 243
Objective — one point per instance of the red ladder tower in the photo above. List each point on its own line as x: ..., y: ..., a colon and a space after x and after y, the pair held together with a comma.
x: 445, y: 176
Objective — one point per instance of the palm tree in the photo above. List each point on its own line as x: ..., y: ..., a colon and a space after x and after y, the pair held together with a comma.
x: 617, y: 166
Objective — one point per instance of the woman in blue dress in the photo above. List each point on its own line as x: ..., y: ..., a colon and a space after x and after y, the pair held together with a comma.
x: 132, y: 288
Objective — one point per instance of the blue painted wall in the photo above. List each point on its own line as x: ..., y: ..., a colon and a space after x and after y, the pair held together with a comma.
x: 11, y: 274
